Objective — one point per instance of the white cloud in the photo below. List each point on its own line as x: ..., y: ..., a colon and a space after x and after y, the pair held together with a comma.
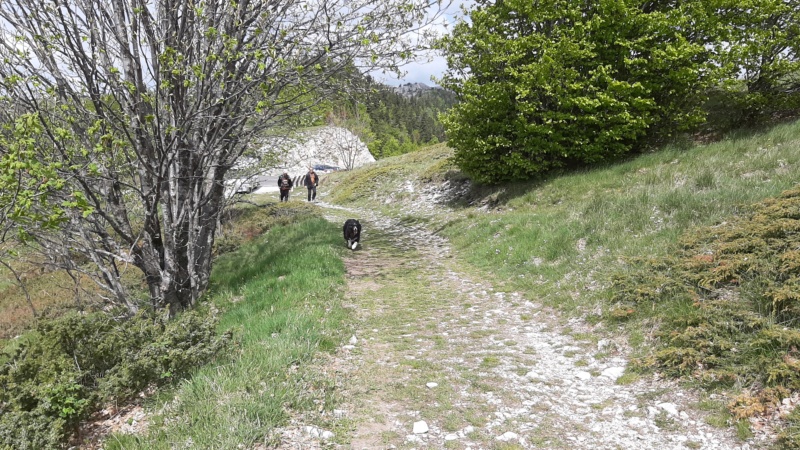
x: 431, y: 63
x: 416, y: 72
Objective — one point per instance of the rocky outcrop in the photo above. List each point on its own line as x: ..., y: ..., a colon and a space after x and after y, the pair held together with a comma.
x: 325, y: 148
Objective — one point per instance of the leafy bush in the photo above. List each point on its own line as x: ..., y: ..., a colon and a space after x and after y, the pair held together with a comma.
x: 726, y: 109
x: 555, y: 83
x: 552, y: 83
x: 73, y: 364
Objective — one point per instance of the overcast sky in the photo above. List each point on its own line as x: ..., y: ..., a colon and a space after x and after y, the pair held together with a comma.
x: 417, y: 72
x: 425, y: 67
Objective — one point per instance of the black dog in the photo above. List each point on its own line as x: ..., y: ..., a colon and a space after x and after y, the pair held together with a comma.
x: 352, y: 233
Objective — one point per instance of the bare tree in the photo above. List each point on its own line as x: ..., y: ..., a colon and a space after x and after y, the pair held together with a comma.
x: 127, y: 115
x: 349, y: 135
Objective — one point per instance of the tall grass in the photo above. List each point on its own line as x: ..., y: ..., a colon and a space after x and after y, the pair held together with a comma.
x: 280, y: 295
x: 555, y: 227
x: 50, y: 293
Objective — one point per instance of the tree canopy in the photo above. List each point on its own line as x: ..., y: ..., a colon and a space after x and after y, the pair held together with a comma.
x: 391, y: 123
x: 404, y: 123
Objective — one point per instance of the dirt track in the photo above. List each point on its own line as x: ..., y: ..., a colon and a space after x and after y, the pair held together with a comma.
x: 483, y: 368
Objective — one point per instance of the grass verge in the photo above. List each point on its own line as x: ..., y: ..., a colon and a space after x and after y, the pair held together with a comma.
x: 281, y: 298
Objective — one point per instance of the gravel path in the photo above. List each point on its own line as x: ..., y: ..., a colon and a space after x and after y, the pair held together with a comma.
x: 442, y: 359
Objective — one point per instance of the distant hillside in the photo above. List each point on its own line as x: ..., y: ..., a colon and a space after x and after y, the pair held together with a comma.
x: 413, y: 89
x: 405, y: 118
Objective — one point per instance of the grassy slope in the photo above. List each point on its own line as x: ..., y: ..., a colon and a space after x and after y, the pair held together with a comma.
x: 563, y: 239
x: 53, y: 292
x: 280, y: 295
x: 567, y: 228
x: 50, y: 293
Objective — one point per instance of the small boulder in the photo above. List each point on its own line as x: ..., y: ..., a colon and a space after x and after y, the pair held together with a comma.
x: 420, y: 427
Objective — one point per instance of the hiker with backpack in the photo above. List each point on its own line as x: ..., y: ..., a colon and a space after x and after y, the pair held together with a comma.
x: 285, y: 184
x: 311, y: 182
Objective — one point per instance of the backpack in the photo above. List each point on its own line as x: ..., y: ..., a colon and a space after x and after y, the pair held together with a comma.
x: 285, y: 183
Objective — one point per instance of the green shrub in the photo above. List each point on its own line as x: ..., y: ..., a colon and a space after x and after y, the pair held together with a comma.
x: 76, y: 362
x: 740, y: 319
x: 789, y: 436
x: 555, y: 84
x: 40, y: 414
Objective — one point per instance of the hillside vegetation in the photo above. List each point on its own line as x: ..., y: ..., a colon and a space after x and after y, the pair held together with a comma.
x: 691, y: 251
x: 390, y: 121
x: 404, y: 123
x: 273, y: 306
x: 280, y: 297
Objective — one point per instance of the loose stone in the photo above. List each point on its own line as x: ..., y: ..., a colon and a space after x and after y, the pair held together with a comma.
x: 508, y: 436
x: 613, y: 372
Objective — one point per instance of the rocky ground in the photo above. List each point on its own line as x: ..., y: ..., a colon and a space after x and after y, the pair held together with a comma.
x: 445, y: 358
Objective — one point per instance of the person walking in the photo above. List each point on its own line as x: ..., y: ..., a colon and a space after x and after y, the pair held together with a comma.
x: 311, y: 182
x: 285, y: 184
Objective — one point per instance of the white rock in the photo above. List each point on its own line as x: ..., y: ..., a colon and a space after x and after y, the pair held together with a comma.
x: 339, y: 413
x: 420, y: 427
x: 532, y: 375
x: 413, y: 438
x: 348, y: 347
x: 313, y: 147
x: 613, y: 372
x: 468, y: 429
x: 431, y: 384
x: 636, y: 422
x: 670, y: 408
x: 508, y: 436
x: 581, y: 375
x: 326, y: 435
x: 353, y: 340
x: 451, y: 437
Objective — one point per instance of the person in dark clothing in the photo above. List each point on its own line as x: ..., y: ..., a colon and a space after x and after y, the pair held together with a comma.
x: 311, y: 182
x: 285, y: 184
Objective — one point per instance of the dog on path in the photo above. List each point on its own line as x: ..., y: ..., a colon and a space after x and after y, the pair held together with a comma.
x: 352, y: 233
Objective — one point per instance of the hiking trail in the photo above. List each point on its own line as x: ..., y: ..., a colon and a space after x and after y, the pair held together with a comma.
x: 443, y: 357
